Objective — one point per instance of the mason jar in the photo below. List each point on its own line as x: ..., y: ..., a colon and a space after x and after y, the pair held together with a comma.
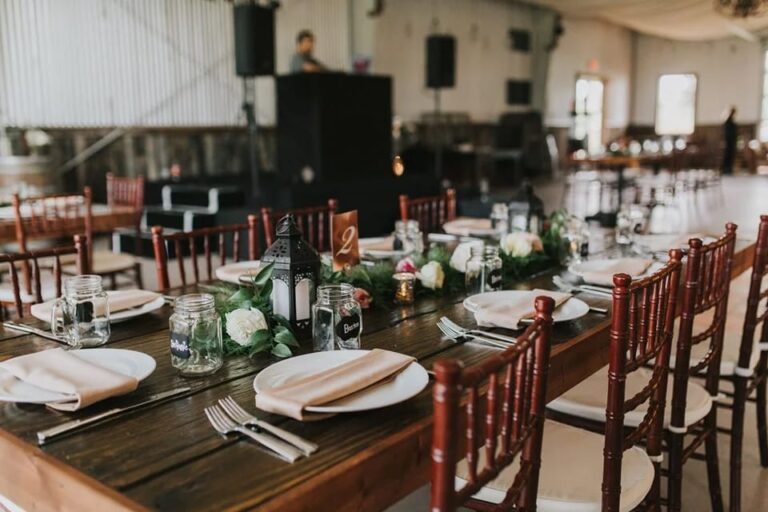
x: 81, y: 316
x: 401, y: 241
x: 196, y: 340
x: 337, y: 319
x: 493, y: 264
x: 500, y: 218
x: 475, y: 277
x: 415, y: 236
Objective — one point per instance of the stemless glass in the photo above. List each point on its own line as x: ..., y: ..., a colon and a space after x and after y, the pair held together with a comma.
x: 337, y: 319
x: 81, y: 316
x: 196, y: 339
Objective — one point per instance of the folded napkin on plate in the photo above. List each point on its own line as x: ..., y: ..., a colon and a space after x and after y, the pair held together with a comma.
x: 658, y: 243
x: 466, y: 225
x: 326, y: 386
x: 604, y: 276
x: 377, y: 244
x: 61, y: 372
x: 232, y: 273
x: 118, y: 301
x: 509, y: 312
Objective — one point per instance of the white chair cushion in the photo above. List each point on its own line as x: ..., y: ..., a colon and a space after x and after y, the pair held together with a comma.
x: 106, y: 262
x: 48, y: 290
x: 737, y: 308
x: 588, y: 399
x: 572, y: 472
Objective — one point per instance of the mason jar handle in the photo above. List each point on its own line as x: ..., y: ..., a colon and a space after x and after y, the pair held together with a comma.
x: 57, y: 304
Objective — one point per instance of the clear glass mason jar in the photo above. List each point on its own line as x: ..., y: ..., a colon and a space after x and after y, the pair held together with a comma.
x: 475, y: 276
x: 196, y: 340
x: 500, y: 218
x: 402, y: 242
x: 493, y: 264
x: 415, y: 236
x: 337, y: 319
x: 81, y: 316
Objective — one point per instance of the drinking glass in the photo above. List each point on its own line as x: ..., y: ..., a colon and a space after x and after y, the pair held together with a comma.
x: 196, y: 338
x: 81, y: 316
x: 337, y: 319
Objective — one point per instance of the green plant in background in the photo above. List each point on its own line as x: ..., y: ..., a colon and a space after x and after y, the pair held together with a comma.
x: 250, y: 325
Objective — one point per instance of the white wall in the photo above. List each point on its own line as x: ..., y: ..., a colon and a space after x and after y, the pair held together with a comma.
x: 484, y: 60
x: 611, y: 48
x: 729, y: 73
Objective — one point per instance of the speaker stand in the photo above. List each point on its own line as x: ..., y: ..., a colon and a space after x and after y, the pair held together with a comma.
x: 249, y: 109
x: 438, y: 138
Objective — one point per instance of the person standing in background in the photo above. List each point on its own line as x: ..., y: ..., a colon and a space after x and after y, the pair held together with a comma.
x: 303, y: 61
x: 730, y: 130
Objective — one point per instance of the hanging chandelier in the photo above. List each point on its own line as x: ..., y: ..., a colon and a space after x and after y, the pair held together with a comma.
x: 741, y: 8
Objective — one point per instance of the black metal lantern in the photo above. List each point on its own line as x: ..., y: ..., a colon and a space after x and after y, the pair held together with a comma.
x: 526, y: 211
x: 295, y: 276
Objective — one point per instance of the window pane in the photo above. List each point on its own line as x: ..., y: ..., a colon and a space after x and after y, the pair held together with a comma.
x: 676, y: 104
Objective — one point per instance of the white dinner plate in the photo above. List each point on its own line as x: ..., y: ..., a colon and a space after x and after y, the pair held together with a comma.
x: 119, y: 316
x: 469, y: 227
x: 571, y: 309
x: 232, y: 272
x: 663, y: 243
x: 406, y: 384
x: 583, y: 267
x: 127, y: 362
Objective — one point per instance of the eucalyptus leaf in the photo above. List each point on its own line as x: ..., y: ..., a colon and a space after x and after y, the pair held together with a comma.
x: 281, y: 350
x: 266, y: 291
x: 240, y: 295
x: 263, y: 276
x: 285, y: 336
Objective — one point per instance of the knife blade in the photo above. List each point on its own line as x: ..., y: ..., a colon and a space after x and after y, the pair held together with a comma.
x: 45, y: 436
x: 28, y: 329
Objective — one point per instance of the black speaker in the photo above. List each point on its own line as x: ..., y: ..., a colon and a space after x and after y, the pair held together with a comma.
x: 254, y: 40
x: 518, y: 92
x: 441, y: 61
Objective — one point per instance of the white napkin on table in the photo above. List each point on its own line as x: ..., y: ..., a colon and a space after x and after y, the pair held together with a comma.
x: 604, y: 276
x: 509, y: 312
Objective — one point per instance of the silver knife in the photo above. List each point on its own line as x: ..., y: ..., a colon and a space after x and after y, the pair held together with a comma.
x: 28, y: 329
x: 45, y: 436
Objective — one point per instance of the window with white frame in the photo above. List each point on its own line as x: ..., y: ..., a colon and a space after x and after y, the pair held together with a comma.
x: 676, y: 104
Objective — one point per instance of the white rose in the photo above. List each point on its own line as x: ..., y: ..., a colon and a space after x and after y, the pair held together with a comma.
x: 520, y: 244
x: 431, y: 275
x: 242, y: 323
x: 461, y: 255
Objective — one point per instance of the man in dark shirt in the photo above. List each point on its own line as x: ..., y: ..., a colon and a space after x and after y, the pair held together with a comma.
x: 729, y: 135
x: 303, y: 61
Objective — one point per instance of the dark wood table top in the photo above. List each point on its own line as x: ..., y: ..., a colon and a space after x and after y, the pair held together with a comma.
x: 168, y: 457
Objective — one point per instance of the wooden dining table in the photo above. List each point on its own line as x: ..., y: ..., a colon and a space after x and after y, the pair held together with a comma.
x: 167, y: 456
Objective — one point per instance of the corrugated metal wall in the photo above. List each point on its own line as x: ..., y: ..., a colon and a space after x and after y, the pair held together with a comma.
x: 86, y: 63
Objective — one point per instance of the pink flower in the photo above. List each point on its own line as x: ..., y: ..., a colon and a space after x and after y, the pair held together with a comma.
x: 363, y: 297
x: 406, y: 265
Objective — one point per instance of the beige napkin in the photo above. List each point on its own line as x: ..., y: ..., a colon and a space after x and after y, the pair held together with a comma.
x: 59, y: 371
x: 377, y: 244
x: 120, y: 300
x: 465, y: 226
x: 324, y: 387
x: 509, y: 312
x: 604, y: 276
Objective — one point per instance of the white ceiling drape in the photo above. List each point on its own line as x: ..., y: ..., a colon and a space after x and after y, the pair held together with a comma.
x: 691, y: 20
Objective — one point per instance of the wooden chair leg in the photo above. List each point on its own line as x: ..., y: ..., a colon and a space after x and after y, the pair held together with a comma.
x: 737, y: 440
x: 112, y: 281
x: 762, y: 422
x: 675, y: 478
x: 713, y: 462
x: 139, y: 278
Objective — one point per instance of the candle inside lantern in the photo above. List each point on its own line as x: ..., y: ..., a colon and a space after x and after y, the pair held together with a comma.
x: 404, y: 287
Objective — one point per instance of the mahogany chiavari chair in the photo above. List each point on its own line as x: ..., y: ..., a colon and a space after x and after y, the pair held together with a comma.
x: 51, y: 217
x: 20, y: 298
x: 513, y: 411
x: 190, y: 242
x: 705, y: 292
x: 123, y: 193
x: 314, y: 222
x: 626, y: 401
x: 431, y: 211
x: 744, y: 358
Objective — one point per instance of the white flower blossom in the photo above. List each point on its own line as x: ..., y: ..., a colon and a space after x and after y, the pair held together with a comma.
x: 431, y: 275
x: 520, y: 244
x: 461, y: 255
x: 242, y: 323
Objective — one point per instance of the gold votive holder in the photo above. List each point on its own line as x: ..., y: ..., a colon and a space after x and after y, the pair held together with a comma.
x: 404, y: 287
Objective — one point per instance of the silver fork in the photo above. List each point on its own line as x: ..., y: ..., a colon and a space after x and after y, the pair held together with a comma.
x: 560, y: 283
x: 224, y: 425
x: 245, y: 419
x: 472, y: 337
x: 458, y: 328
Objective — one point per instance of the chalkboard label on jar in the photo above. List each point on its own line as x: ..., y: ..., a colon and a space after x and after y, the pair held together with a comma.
x: 348, y: 327
x: 84, y: 312
x: 494, y: 279
x: 180, y: 345
x: 584, y: 250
